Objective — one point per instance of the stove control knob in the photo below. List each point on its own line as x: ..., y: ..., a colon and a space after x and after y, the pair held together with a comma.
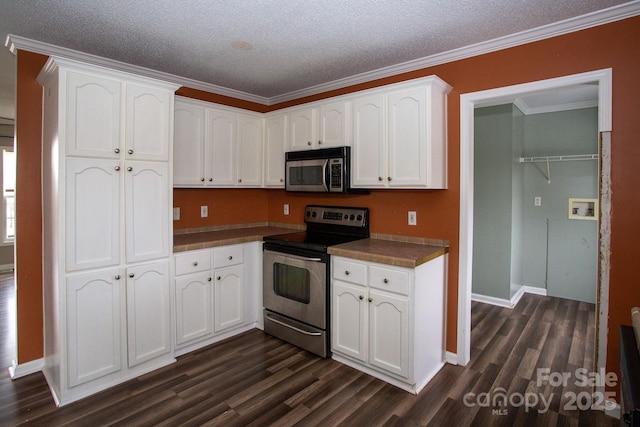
x: 308, y: 213
x: 352, y: 217
x: 314, y: 214
x: 346, y: 217
x: 359, y: 217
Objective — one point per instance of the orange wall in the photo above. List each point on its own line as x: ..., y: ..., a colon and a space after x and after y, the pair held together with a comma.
x: 608, y: 46
x: 28, y: 207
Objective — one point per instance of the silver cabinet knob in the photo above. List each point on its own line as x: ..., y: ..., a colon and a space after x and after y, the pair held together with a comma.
x: 209, y: 279
x: 129, y: 168
x: 195, y: 263
x: 230, y: 257
x: 210, y: 179
x: 131, y: 275
x: 386, y: 280
x: 379, y: 178
x: 202, y: 179
x: 347, y: 273
x: 281, y: 180
x: 239, y: 179
x: 361, y: 297
x: 388, y: 178
x: 130, y: 151
x: 308, y: 142
x: 117, y: 168
x: 319, y: 142
x: 370, y: 299
x: 117, y: 277
x: 117, y: 151
x: 218, y: 278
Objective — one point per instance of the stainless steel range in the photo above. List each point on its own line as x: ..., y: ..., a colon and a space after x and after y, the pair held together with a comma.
x: 296, y: 275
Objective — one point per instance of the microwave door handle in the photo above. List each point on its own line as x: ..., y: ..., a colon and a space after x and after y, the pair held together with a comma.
x: 326, y: 170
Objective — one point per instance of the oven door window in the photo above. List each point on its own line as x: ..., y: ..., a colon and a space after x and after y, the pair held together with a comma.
x: 292, y: 282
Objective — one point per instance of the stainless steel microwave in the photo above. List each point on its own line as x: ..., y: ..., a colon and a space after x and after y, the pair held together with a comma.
x: 327, y: 170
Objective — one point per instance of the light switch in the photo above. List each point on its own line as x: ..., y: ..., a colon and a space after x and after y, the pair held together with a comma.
x: 537, y: 201
x: 176, y: 214
x: 412, y: 218
x: 204, y: 211
x: 286, y: 209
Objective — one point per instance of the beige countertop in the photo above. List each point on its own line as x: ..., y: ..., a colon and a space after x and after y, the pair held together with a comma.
x: 188, y: 241
x: 392, y: 252
x: 401, y: 254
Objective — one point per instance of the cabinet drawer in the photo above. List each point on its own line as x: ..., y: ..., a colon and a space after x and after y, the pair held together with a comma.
x: 193, y: 262
x: 226, y: 256
x: 348, y: 271
x: 388, y: 279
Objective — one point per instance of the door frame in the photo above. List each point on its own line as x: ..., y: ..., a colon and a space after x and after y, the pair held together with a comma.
x: 504, y: 95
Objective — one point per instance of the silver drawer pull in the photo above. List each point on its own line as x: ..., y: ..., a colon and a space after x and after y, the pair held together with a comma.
x: 117, y: 150
x: 131, y: 275
x: 347, y: 272
x: 130, y: 151
x: 230, y: 257
x: 117, y: 277
x: 209, y: 279
x: 386, y: 280
x: 361, y: 297
x: 314, y: 334
x: 370, y: 299
x: 195, y: 263
x: 218, y: 278
x: 117, y: 168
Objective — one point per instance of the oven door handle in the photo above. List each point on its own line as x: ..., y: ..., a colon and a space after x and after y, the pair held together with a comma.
x: 315, y: 334
x: 303, y: 258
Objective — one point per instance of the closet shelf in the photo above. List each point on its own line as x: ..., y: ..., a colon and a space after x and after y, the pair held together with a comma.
x: 548, y: 159
x: 558, y: 158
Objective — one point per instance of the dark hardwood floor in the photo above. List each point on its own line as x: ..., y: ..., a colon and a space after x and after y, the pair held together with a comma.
x: 257, y: 380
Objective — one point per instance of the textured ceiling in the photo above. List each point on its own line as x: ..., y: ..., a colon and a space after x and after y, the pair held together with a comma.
x: 268, y: 48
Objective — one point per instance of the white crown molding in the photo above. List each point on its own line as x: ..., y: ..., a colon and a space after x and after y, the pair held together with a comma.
x: 14, y: 43
x: 527, y: 110
x: 605, y: 16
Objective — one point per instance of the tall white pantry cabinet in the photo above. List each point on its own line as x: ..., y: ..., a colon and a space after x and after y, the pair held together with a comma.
x: 107, y: 232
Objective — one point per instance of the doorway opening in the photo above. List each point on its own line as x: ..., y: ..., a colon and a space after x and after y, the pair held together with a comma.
x: 468, y: 104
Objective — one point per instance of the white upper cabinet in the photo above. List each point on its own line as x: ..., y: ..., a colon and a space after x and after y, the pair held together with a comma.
x: 147, y: 211
x: 93, y: 116
x: 324, y: 126
x: 368, y: 160
x: 249, y: 153
x: 188, y: 143
x: 275, y: 145
x: 303, y: 130
x: 220, y: 148
x: 92, y: 217
x: 400, y: 137
x: 148, y: 122
x: 335, y: 120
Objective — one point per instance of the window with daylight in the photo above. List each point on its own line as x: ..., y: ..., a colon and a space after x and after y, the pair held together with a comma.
x: 8, y: 196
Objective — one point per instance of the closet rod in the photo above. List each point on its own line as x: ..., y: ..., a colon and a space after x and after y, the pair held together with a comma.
x: 558, y: 158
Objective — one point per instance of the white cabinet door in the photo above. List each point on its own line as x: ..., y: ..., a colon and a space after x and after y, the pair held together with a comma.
x: 389, y: 332
x: 93, y: 325
x: 229, y: 297
x: 148, y: 121
x: 368, y: 155
x: 334, y: 125
x: 188, y: 145
x: 303, y: 129
x: 249, y: 151
x: 148, y: 312
x: 92, y: 213
x: 93, y: 116
x: 349, y: 312
x: 220, y: 144
x: 275, y: 145
x: 146, y: 211
x: 194, y: 307
x: 407, y: 143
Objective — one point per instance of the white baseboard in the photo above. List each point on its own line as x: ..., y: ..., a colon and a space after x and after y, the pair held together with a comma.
x: 18, y: 371
x: 509, y: 303
x: 6, y: 268
x: 451, y: 358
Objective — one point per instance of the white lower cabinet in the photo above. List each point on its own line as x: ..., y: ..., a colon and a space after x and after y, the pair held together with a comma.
x: 389, y: 321
x: 94, y: 316
x: 214, y: 294
x: 148, y: 312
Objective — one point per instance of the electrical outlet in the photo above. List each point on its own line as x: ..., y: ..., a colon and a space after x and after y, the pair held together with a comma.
x: 286, y: 209
x: 176, y: 214
x: 537, y: 201
x: 412, y: 218
x: 204, y: 211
